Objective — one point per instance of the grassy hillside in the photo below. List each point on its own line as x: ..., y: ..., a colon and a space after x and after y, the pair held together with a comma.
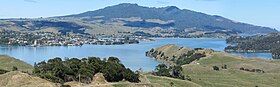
x: 171, y: 54
x: 18, y: 79
x: 147, y: 80
x: 157, y: 81
x: 203, y: 74
x: 239, y: 71
x: 7, y: 63
x: 165, y: 82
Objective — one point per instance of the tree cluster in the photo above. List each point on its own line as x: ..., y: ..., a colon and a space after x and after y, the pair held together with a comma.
x: 83, y: 70
x: 216, y: 68
x: 258, y: 43
x: 189, y: 57
x: 174, y: 71
x: 252, y: 70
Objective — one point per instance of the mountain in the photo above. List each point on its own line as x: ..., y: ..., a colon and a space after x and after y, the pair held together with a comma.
x: 133, y: 15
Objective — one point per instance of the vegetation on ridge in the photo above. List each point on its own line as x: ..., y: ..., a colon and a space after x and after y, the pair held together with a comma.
x: 258, y: 43
x: 174, y: 55
x: 59, y: 71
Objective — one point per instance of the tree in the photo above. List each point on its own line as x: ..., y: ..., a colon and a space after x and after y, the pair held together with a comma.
x: 131, y: 76
x: 177, y: 70
x: 113, y: 59
x: 161, y: 70
x: 216, y: 68
x: 224, y: 66
x: 161, y: 66
x: 171, y: 84
x: 14, y: 68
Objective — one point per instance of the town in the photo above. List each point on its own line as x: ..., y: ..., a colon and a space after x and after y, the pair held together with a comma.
x: 36, y: 39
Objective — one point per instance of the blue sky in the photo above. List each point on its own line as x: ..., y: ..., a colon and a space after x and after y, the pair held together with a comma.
x: 258, y: 12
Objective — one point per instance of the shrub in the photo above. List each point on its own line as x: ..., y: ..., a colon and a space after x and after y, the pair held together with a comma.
x: 242, y: 68
x: 174, y: 71
x: 216, y: 68
x: 224, y: 67
x: 65, y: 86
x: 14, y: 68
x: 3, y: 71
x: 171, y: 84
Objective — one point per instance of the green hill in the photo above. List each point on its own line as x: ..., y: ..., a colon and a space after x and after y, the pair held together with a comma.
x: 233, y: 71
x: 203, y: 74
x: 7, y: 63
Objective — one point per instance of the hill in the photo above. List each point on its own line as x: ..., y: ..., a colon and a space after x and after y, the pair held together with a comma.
x: 7, y: 63
x: 18, y: 79
x: 233, y: 71
x: 202, y: 73
x: 133, y: 15
x: 259, y: 43
x: 171, y: 54
x: 68, y: 25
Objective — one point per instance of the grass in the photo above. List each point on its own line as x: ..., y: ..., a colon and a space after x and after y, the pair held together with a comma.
x: 203, y: 74
x: 7, y: 63
x: 165, y: 82
x: 19, y: 79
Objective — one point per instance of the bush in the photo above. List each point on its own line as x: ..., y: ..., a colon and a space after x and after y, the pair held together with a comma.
x: 171, y: 84
x: 174, y: 71
x: 14, y: 68
x: 242, y: 68
x: 65, y: 86
x: 224, y: 67
x: 3, y: 71
x: 216, y: 68
x: 189, y: 57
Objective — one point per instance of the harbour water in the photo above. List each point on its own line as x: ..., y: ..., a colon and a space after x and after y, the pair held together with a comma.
x: 131, y: 55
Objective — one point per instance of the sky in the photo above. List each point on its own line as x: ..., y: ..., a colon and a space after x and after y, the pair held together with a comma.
x: 257, y: 12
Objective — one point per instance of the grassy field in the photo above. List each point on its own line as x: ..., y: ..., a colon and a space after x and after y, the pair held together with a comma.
x: 7, y: 63
x: 203, y: 74
x: 149, y: 80
x: 165, y: 82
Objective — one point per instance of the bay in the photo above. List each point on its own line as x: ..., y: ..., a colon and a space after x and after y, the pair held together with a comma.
x: 131, y: 55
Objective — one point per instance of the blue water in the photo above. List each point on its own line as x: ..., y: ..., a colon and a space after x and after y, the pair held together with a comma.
x: 131, y: 55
